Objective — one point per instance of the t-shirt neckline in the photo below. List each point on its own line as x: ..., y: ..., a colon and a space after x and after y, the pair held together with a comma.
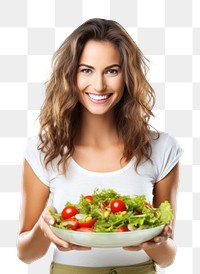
x: 114, y: 172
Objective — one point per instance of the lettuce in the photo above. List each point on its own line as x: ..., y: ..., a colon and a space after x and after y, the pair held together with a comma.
x: 139, y: 214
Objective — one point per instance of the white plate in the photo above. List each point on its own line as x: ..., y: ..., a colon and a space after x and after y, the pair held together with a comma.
x: 107, y: 239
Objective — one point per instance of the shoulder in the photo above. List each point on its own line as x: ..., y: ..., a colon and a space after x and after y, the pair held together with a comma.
x: 162, y: 140
x: 166, y: 152
x: 32, y: 146
x: 35, y: 158
x: 33, y: 141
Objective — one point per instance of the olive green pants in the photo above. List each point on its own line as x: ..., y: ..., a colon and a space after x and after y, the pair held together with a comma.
x: 144, y: 268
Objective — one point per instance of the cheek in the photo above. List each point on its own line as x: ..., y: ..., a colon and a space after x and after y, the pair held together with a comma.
x: 82, y: 84
x: 118, y: 86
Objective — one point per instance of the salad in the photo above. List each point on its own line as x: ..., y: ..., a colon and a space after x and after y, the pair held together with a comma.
x: 108, y: 211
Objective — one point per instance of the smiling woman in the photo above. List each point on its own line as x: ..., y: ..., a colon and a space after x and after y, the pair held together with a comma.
x: 99, y: 79
x: 110, y: 71
x: 95, y: 133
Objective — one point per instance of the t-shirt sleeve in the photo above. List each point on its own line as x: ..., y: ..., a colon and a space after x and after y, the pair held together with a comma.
x: 35, y: 159
x: 168, y: 154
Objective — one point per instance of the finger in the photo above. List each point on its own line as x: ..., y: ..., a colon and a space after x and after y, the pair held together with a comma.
x: 45, y: 222
x: 63, y: 245
x: 132, y: 248
x: 61, y: 248
x: 47, y: 216
x: 165, y: 234
x: 78, y: 247
x: 73, y: 247
x: 168, y: 229
x: 149, y: 245
x: 53, y: 238
x: 48, y: 219
x: 160, y: 239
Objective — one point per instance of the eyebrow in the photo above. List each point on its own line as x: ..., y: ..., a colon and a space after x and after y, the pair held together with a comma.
x: 111, y: 66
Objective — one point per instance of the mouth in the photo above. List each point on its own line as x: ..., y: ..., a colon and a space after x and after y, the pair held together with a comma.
x: 99, y: 98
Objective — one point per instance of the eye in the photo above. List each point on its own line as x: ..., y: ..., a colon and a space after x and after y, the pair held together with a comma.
x: 86, y: 70
x: 112, y: 72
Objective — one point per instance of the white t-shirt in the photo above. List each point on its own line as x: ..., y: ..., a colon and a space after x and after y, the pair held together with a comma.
x: 166, y: 152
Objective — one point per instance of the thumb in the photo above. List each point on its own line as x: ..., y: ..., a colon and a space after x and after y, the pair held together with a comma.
x: 48, y: 218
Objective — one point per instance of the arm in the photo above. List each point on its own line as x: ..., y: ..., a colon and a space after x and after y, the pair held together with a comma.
x: 32, y: 243
x: 35, y: 235
x: 162, y: 249
x: 164, y: 254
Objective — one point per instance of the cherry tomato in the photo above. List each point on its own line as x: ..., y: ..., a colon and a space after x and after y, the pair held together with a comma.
x: 87, y: 223
x: 71, y: 223
x: 68, y: 212
x: 122, y: 228
x: 85, y: 229
x: 89, y: 198
x: 117, y: 206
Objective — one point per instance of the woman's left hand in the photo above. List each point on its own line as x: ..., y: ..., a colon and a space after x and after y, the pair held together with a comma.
x: 153, y: 243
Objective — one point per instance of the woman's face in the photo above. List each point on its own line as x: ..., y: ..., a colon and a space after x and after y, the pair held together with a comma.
x: 99, y: 78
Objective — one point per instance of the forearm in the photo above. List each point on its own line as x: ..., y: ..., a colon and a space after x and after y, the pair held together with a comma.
x: 32, y: 245
x: 164, y: 254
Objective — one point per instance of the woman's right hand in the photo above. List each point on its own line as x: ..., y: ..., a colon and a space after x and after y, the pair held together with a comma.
x: 46, y: 221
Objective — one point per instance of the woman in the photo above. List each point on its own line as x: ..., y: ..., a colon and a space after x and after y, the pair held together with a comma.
x: 94, y: 132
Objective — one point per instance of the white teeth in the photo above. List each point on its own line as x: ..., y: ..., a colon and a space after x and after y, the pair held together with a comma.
x: 98, y: 97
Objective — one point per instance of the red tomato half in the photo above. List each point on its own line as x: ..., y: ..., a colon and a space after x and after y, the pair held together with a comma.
x: 87, y: 224
x: 85, y: 229
x: 89, y: 198
x: 122, y: 228
x: 117, y: 206
x: 71, y: 223
x: 68, y: 212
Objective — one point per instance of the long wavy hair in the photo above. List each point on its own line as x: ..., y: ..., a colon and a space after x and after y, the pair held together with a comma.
x: 60, y: 113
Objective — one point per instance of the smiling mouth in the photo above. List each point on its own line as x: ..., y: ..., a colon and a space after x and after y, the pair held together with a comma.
x: 98, y: 97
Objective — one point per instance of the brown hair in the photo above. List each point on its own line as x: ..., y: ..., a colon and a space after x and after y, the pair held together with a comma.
x: 60, y: 112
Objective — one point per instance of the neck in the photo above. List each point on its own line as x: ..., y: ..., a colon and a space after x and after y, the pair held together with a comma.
x: 97, y: 129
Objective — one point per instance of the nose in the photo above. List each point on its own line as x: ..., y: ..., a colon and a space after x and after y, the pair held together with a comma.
x: 99, y: 83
